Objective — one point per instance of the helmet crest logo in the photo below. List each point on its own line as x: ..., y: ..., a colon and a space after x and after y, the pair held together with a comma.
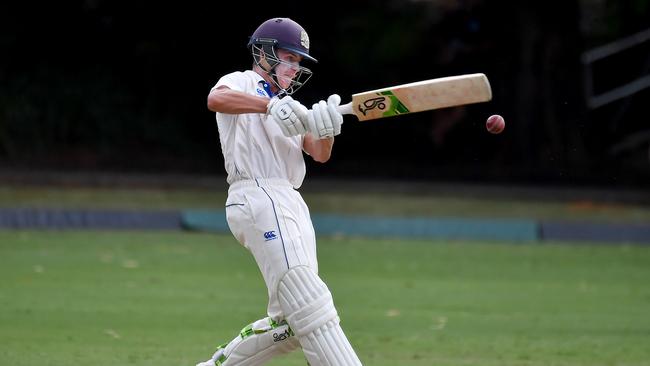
x: 304, y: 39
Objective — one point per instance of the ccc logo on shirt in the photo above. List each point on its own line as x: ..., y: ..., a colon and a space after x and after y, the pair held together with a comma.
x: 270, y: 235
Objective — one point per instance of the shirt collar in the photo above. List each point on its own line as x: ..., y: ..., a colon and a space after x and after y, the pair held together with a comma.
x: 267, y: 88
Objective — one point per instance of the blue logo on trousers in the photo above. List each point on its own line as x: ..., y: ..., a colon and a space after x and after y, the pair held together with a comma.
x: 270, y: 235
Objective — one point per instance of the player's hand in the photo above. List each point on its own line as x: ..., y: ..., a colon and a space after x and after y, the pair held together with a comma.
x: 289, y: 114
x: 325, y: 120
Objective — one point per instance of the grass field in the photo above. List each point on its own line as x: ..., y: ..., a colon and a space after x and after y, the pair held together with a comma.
x: 165, y: 298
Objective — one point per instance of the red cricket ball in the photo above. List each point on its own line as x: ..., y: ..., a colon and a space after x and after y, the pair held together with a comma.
x: 495, y: 124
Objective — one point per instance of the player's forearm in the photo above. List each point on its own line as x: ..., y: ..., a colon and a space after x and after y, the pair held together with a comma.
x: 230, y: 101
x: 319, y: 150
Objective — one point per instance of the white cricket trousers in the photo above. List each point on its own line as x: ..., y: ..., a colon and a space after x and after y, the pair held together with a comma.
x: 270, y: 218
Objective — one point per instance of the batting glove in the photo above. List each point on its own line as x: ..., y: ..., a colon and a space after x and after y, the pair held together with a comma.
x: 289, y: 114
x: 325, y: 120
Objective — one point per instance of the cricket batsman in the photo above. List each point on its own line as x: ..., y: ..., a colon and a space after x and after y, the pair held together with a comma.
x: 263, y: 133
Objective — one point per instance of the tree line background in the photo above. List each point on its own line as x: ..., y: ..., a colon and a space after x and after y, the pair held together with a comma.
x: 121, y: 86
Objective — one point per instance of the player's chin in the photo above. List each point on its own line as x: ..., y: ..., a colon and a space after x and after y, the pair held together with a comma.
x: 285, y: 85
x: 285, y: 82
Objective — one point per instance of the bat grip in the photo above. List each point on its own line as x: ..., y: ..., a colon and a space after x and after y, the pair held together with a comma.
x: 346, y: 108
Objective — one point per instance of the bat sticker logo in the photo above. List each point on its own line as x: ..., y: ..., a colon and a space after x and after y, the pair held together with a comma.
x: 372, y: 104
x: 395, y: 106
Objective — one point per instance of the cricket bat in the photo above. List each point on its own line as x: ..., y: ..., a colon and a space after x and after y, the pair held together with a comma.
x: 419, y: 96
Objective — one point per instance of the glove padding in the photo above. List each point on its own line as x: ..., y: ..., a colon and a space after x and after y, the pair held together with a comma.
x: 324, y: 119
x: 289, y: 114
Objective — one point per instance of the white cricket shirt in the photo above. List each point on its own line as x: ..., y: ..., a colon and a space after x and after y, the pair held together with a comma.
x: 252, y: 144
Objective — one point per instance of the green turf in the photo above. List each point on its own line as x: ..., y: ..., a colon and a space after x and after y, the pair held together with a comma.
x: 165, y: 298
x: 328, y: 202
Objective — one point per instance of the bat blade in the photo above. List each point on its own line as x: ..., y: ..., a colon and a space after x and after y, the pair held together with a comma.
x: 420, y: 96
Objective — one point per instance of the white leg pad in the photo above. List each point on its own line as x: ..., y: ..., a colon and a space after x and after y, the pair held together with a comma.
x: 257, y: 344
x: 309, y: 309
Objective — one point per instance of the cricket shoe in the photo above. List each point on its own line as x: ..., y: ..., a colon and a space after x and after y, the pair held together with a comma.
x: 209, y: 362
x: 217, y: 359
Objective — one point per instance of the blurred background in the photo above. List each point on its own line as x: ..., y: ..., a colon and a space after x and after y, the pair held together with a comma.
x: 105, y: 86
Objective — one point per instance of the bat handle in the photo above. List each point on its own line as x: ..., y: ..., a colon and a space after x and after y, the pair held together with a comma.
x: 346, y: 108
